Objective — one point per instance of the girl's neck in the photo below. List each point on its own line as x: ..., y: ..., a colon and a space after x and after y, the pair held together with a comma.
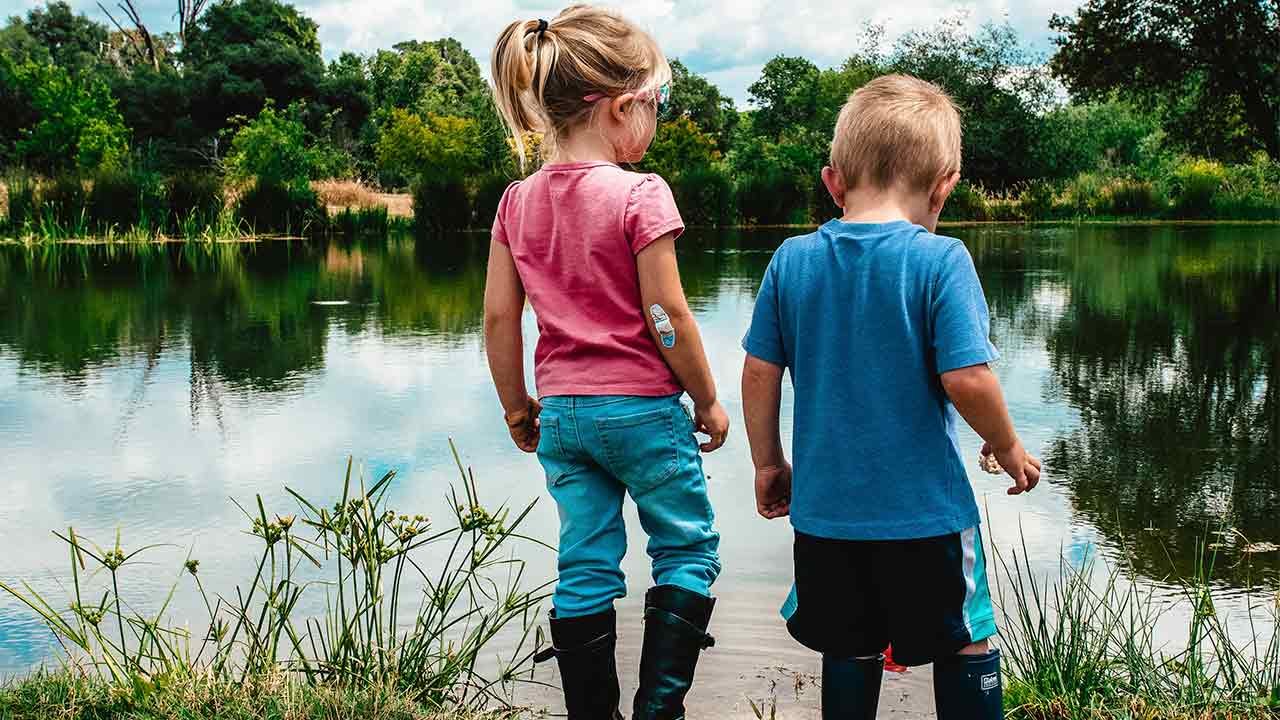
x: 585, y: 146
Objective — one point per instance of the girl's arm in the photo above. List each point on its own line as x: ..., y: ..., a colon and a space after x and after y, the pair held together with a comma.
x: 504, y: 345
x: 660, y: 285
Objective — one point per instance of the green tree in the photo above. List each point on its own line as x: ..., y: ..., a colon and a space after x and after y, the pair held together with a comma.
x: 1225, y: 54
x: 68, y: 39
x: 695, y: 98
x: 442, y: 146
x: 76, y: 122
x: 680, y: 145
x: 438, y: 78
x: 243, y: 53
x: 272, y: 150
x: 787, y: 95
x: 997, y: 84
x: 1080, y: 137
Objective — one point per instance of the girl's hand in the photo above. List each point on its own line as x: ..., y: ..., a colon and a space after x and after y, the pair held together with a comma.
x: 773, y: 491
x: 711, y: 420
x: 525, y: 427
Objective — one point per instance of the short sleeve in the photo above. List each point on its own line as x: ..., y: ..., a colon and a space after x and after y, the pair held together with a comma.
x: 764, y: 337
x: 651, y: 213
x: 961, y: 320
x: 499, y: 232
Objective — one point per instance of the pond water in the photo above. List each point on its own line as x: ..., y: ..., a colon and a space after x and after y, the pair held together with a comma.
x: 142, y: 388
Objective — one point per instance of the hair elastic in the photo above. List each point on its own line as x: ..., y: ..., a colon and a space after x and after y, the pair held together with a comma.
x: 542, y: 27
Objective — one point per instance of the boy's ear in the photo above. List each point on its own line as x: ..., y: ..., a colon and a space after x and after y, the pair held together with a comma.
x: 619, y: 106
x: 835, y: 185
x: 941, y: 190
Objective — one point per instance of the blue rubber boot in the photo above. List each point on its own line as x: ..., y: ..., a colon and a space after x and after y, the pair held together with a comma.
x: 851, y: 687
x: 967, y: 687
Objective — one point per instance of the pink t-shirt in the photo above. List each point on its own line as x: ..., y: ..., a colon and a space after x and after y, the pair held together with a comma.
x: 574, y: 230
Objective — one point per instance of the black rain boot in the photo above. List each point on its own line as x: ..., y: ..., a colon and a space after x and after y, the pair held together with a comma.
x: 675, y: 632
x: 967, y: 687
x: 584, y: 649
x: 851, y: 687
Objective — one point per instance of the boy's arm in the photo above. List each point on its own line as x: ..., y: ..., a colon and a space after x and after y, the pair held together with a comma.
x: 976, y: 393
x: 660, y: 285
x: 761, y: 403
x: 504, y: 346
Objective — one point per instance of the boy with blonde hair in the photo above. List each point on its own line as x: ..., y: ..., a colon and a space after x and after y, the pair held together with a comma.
x: 884, y: 328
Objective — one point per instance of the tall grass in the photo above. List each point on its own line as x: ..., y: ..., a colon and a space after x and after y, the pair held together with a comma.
x: 358, y: 554
x: 1085, y: 646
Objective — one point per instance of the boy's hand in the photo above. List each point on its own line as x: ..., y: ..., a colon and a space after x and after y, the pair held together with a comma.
x: 1022, y: 466
x: 525, y: 427
x: 773, y: 490
x: 711, y: 420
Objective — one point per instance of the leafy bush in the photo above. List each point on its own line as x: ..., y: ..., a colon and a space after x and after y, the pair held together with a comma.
x: 488, y: 193
x: 967, y: 202
x: 1127, y: 196
x: 705, y: 195
x: 195, y: 197
x: 1036, y: 200
x: 271, y: 150
x: 280, y: 208
x: 127, y: 196
x: 773, y: 197
x: 1082, y: 195
x: 440, y: 204
x: 679, y: 146
x: 413, y: 147
x: 1194, y: 184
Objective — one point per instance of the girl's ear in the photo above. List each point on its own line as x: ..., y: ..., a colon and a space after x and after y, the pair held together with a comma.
x: 835, y: 185
x: 620, y: 105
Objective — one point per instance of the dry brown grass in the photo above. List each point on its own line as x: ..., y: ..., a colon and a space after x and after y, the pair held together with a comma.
x: 338, y: 195
x: 345, y: 194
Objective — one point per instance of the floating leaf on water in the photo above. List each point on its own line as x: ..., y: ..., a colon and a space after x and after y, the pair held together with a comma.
x: 1260, y: 547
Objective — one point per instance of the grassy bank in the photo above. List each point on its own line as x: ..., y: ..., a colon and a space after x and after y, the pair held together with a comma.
x: 70, y: 694
x: 133, y: 204
x: 360, y: 568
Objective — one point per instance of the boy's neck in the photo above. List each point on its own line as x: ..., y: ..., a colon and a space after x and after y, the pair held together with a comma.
x: 867, y: 205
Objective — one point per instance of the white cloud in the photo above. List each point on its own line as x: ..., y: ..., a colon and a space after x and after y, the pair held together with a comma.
x: 727, y: 40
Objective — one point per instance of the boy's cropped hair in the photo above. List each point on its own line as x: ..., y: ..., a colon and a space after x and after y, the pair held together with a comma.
x: 894, y: 129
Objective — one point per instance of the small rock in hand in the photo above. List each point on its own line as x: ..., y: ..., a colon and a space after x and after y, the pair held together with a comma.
x: 989, y: 464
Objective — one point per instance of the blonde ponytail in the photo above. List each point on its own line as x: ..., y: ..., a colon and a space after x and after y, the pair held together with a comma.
x: 542, y: 71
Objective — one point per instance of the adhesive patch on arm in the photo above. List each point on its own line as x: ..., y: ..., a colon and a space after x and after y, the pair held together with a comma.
x: 666, y: 331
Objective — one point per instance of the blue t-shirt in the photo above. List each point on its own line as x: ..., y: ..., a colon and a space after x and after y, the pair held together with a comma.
x: 866, y: 317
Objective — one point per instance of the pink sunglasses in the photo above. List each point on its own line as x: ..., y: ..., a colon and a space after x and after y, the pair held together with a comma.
x: 661, y: 93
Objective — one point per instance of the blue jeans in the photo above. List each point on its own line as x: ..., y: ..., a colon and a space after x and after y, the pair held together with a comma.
x: 595, y: 449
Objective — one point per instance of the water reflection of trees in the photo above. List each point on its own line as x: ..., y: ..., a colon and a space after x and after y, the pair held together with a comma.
x: 245, y: 314
x: 1169, y: 348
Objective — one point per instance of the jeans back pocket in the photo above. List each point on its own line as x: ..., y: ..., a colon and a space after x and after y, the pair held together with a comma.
x: 640, y: 449
x: 551, y: 450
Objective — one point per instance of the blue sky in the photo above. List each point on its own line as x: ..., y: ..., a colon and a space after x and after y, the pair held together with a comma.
x: 726, y: 40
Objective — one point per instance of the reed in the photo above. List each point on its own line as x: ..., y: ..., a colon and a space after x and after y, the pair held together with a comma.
x: 358, y: 554
x: 1084, y: 645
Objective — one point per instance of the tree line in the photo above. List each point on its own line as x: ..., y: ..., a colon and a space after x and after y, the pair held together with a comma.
x: 1167, y: 107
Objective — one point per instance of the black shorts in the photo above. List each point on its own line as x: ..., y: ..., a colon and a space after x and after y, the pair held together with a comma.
x: 928, y: 597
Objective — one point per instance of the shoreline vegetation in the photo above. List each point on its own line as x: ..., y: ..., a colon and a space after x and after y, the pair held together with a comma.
x: 350, y: 208
x: 235, y: 126
x: 363, y: 564
x: 404, y: 634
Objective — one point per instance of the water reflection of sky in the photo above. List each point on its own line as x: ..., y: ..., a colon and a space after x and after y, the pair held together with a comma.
x: 143, y: 412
